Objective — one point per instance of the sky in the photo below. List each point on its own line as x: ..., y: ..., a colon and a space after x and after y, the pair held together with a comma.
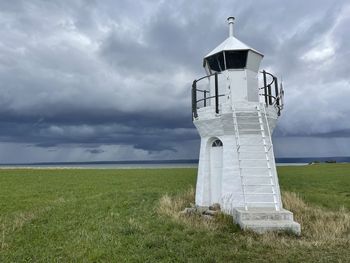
x: 88, y: 80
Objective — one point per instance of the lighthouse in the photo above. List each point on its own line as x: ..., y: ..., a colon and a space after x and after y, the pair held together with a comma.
x: 235, y: 117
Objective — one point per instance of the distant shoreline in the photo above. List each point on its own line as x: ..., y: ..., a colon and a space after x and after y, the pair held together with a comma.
x: 128, y: 166
x: 190, y: 162
x: 155, y: 164
x: 118, y: 166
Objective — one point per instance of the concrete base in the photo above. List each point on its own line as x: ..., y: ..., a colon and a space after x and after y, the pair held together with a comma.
x: 261, y: 220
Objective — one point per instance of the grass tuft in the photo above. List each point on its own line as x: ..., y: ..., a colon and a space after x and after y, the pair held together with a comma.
x: 172, y: 206
x: 318, y: 224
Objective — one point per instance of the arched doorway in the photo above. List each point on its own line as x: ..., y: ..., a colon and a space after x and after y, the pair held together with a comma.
x: 215, y: 170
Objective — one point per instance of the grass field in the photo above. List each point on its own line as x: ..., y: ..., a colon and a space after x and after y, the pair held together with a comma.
x: 113, y: 216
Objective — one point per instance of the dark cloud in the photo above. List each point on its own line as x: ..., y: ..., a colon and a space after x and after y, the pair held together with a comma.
x: 81, y: 77
x: 94, y: 151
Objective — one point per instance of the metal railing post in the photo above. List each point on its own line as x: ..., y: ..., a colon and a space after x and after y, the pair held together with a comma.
x: 194, y: 99
x: 265, y: 87
x: 205, y: 98
x: 216, y: 94
x: 276, y: 92
x: 270, y: 95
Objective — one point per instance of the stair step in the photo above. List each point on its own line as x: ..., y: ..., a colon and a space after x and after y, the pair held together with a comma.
x: 243, y: 136
x: 253, y: 151
x: 249, y: 123
x: 254, y: 144
x: 267, y: 222
x: 260, y: 193
x: 250, y: 130
x: 262, y: 214
x: 245, y: 116
x: 256, y: 202
x: 253, y: 159
x: 262, y: 226
x: 245, y: 111
x: 258, y: 167
x: 255, y: 176
x: 258, y: 185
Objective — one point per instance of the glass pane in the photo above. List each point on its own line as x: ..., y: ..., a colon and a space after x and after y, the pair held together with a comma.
x: 217, y: 143
x: 216, y: 62
x: 236, y: 59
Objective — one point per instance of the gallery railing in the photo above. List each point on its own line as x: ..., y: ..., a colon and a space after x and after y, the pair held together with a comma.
x: 272, y: 93
x: 202, y: 95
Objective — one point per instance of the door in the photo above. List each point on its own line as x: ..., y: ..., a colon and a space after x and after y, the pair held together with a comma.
x: 215, y: 171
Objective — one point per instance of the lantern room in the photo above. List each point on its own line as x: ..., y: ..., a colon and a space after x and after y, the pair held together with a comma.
x: 232, y: 54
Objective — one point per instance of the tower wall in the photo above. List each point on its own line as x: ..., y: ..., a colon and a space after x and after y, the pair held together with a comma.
x: 238, y: 85
x: 212, y: 127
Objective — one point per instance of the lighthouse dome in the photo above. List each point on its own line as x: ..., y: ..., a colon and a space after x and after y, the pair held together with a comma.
x: 232, y: 54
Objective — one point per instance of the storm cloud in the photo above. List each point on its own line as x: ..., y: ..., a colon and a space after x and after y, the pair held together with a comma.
x: 110, y: 80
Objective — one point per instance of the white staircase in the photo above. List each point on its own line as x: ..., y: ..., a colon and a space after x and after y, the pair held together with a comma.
x: 262, y: 210
x: 256, y: 162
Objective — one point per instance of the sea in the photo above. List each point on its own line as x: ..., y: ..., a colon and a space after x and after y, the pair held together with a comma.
x: 157, y: 163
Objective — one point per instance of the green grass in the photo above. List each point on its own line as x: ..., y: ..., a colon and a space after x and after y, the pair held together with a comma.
x: 111, y: 216
x: 326, y: 185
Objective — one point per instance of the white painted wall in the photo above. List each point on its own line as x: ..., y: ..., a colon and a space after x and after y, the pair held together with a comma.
x: 253, y: 61
x: 218, y: 174
x: 252, y: 86
x: 236, y: 85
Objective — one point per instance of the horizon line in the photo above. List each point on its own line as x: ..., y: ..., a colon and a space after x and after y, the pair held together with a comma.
x: 168, y: 161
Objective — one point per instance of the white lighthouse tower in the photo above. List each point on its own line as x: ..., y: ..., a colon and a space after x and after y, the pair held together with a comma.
x: 235, y: 119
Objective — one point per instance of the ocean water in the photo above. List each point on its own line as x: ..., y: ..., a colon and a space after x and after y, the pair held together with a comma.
x: 100, y: 166
x: 157, y: 163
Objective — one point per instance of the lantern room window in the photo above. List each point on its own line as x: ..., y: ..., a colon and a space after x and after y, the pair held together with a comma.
x: 216, y: 62
x: 227, y: 60
x: 236, y: 59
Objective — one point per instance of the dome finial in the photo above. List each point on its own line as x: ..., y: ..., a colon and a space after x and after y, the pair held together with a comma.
x: 231, y: 20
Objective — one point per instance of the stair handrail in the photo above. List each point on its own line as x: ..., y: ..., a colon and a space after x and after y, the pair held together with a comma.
x: 277, y: 205
x: 238, y: 140
x: 238, y: 145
